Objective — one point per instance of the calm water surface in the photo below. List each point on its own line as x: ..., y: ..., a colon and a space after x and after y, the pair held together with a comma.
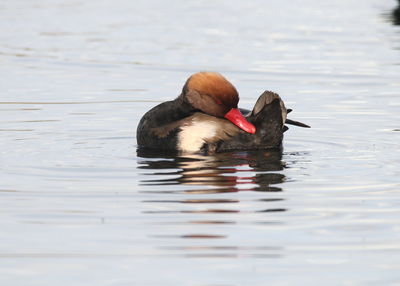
x: 79, y: 205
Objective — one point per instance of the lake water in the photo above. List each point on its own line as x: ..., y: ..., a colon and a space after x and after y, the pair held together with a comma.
x: 79, y: 206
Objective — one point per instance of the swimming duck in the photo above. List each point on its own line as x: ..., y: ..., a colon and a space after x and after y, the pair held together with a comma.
x: 205, y: 117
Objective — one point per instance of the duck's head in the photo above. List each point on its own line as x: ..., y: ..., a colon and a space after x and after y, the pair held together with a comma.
x: 213, y: 94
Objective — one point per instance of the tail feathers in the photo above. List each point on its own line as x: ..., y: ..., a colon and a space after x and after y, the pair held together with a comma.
x: 296, y: 123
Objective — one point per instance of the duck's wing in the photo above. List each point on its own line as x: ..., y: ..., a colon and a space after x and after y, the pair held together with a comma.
x: 159, y: 127
x: 266, y: 98
x: 269, y: 116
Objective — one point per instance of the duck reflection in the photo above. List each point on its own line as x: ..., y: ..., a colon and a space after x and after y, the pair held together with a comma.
x: 209, y: 221
x: 396, y: 14
x: 225, y: 172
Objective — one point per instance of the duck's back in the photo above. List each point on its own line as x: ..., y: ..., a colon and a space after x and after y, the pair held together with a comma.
x: 159, y: 127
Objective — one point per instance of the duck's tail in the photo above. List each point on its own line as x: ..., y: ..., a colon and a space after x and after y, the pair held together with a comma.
x: 296, y: 123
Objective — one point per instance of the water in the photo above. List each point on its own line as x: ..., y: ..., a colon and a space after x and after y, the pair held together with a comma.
x: 79, y: 206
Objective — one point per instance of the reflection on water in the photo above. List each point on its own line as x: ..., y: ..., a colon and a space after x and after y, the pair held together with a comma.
x: 228, y: 251
x: 227, y: 171
x: 210, y: 177
x: 396, y: 14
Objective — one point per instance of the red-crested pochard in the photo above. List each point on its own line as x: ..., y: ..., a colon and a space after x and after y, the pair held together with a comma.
x: 205, y: 117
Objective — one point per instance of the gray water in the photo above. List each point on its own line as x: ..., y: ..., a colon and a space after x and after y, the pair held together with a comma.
x: 79, y: 206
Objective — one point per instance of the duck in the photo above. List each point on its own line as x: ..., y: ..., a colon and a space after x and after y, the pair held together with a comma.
x: 205, y: 118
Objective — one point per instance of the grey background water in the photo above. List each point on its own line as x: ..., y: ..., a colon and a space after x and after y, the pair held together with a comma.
x: 80, y: 207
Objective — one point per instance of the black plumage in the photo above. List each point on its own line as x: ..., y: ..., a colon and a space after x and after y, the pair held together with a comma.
x: 197, y: 120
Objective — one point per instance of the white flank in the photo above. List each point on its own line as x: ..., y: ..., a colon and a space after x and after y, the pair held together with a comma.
x: 192, y: 137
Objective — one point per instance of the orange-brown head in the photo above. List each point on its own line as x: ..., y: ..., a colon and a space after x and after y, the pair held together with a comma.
x: 213, y: 94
